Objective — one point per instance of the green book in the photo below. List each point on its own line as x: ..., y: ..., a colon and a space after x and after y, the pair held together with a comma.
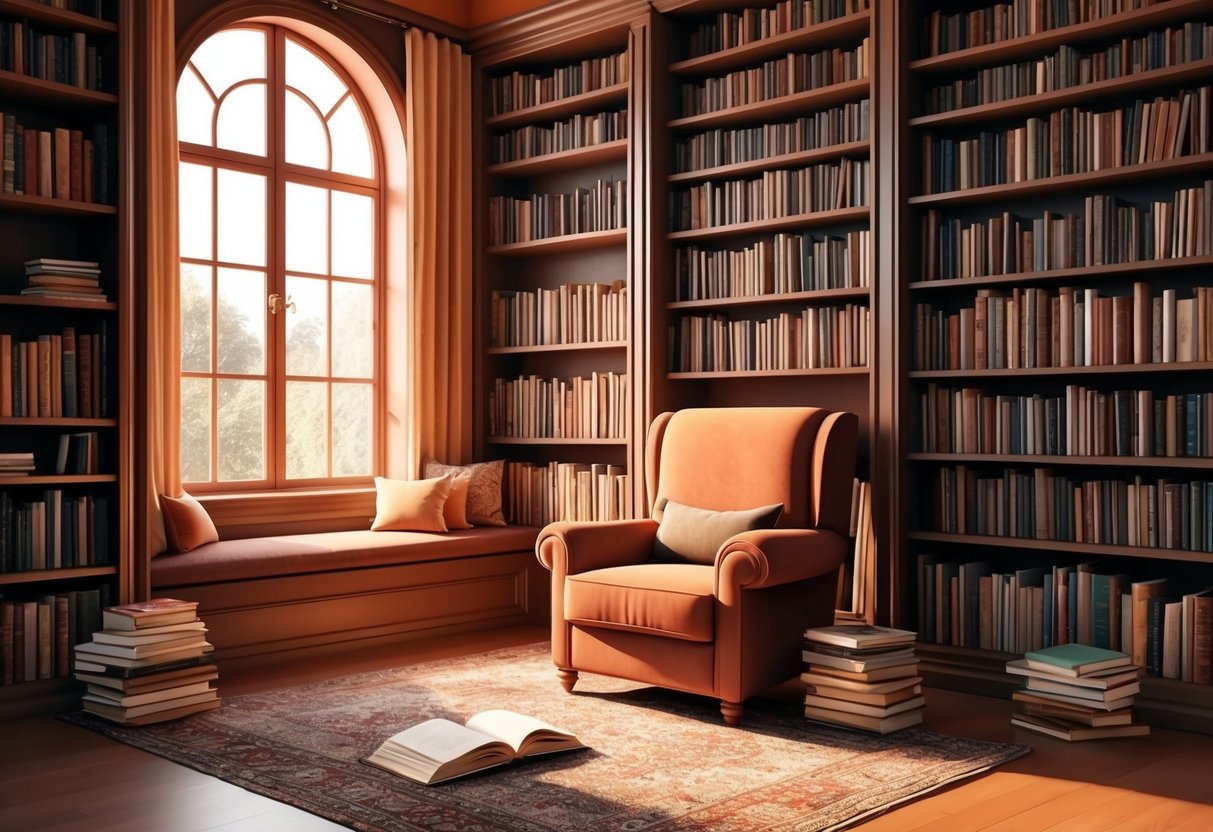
x: 1076, y: 659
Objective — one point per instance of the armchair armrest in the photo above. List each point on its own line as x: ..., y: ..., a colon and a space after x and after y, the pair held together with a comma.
x: 768, y: 557
x: 572, y: 547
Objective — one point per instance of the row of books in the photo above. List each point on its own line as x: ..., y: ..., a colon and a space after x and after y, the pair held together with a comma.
x: 728, y: 29
x: 792, y: 73
x: 64, y: 279
x: 857, y: 570
x: 529, y: 407
x: 581, y: 130
x: 863, y: 677
x: 813, y: 338
x: 528, y: 89
x: 1072, y: 327
x: 948, y: 31
x: 601, y: 207
x: 59, y: 163
x: 538, y: 494
x: 1070, y: 141
x: 37, y: 633
x: 64, y: 59
x: 1164, y: 513
x: 1069, y: 67
x: 787, y: 263
x: 572, y: 313
x: 78, y: 454
x: 776, y: 193
x: 56, y: 375
x: 149, y: 663
x: 1076, y: 692
x: 53, y: 531
x: 720, y: 146
x: 1109, y: 230
x: 16, y: 463
x: 1080, y: 422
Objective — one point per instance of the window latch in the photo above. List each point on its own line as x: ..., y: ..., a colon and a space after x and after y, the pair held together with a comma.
x: 275, y: 303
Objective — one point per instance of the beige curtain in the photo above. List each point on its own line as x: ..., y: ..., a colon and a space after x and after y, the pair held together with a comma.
x: 438, y: 78
x: 153, y: 194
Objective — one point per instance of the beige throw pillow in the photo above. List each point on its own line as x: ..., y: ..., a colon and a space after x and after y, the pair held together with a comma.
x: 694, y: 535
x: 484, y: 489
x: 410, y: 505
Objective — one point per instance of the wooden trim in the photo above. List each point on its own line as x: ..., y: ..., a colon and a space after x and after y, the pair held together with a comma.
x: 586, y: 102
x: 854, y: 150
x: 38, y: 90
x: 573, y: 347
x: 561, y: 28
x: 786, y: 105
x: 61, y: 19
x: 52, y: 205
x: 551, y: 440
x: 1076, y: 273
x: 286, y: 511
x: 828, y: 34
x: 1100, y: 369
x: 817, y: 297
x: 814, y: 219
x: 1070, y: 460
x: 562, y: 160
x: 1110, y: 549
x: 57, y: 479
x: 57, y: 303
x: 564, y: 242
x: 40, y: 575
x: 813, y: 371
x: 56, y: 422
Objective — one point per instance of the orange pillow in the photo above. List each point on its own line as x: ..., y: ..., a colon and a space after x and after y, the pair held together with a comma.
x: 410, y: 505
x: 186, y: 523
x: 455, y: 509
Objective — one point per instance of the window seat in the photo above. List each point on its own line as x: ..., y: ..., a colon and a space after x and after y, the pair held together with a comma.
x: 261, y: 596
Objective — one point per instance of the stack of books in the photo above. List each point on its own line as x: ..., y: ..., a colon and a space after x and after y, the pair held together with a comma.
x: 864, y: 677
x: 16, y: 463
x: 63, y: 279
x: 150, y: 663
x: 1076, y: 692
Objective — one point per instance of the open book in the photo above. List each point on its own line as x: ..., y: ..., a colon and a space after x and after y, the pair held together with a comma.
x: 439, y: 749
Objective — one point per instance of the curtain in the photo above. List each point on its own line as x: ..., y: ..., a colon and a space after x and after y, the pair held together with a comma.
x: 152, y: 149
x: 438, y: 110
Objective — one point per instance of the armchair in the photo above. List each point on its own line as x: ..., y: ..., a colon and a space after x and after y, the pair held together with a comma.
x: 733, y: 626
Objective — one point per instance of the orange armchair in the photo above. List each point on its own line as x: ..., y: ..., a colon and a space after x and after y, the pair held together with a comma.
x: 730, y: 627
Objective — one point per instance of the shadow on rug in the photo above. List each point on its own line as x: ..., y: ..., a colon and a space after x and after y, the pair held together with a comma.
x: 658, y: 760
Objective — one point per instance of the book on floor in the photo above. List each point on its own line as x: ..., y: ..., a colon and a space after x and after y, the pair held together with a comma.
x: 1076, y: 659
x: 860, y: 663
x: 1100, y: 679
x: 121, y: 716
x: 124, y: 713
x: 860, y: 636
x: 876, y: 674
x: 883, y: 698
x: 156, y: 612
x: 864, y: 722
x: 441, y: 749
x: 1028, y: 703
x: 1063, y: 730
x: 860, y: 708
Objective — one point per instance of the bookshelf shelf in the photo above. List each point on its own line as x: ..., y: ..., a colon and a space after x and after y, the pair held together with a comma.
x: 57, y: 303
x: 545, y: 348
x: 1077, y: 274
x: 828, y: 33
x: 47, y: 422
x: 1075, y: 460
x: 821, y: 296
x: 852, y: 150
x: 522, y: 440
x: 1193, y: 72
x: 813, y: 371
x: 56, y: 479
x: 816, y: 219
x: 1101, y: 369
x: 1130, y: 174
x: 10, y: 203
x: 787, y: 105
x: 1061, y: 546
x: 584, y: 103
x: 564, y: 160
x: 69, y: 574
x: 20, y: 87
x: 566, y: 242
x: 61, y: 18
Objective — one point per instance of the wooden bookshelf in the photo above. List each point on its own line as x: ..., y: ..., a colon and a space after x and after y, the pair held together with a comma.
x: 575, y: 347
x: 564, y: 242
x: 854, y: 150
x: 775, y: 108
x: 587, y: 102
x: 564, y: 160
x: 816, y: 219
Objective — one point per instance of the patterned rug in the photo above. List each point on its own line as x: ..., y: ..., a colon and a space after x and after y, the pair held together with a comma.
x: 658, y: 760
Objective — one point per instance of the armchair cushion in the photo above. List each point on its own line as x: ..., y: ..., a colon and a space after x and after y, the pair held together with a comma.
x: 694, y: 535
x: 661, y: 599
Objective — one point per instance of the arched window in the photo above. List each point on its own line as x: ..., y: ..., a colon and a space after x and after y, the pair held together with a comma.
x: 280, y: 194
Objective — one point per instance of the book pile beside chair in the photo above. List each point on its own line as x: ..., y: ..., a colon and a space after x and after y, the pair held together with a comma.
x: 1076, y: 692
x: 864, y: 677
x: 150, y: 663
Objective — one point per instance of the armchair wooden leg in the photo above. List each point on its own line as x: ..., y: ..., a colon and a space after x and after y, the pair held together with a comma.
x: 732, y: 712
x: 568, y: 678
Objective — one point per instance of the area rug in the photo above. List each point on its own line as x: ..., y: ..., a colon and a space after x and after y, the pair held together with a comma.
x: 658, y: 760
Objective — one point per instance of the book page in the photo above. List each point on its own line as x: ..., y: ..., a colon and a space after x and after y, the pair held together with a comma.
x: 525, y: 734
x: 439, y: 740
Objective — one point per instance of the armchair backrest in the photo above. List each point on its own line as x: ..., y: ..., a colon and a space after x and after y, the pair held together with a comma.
x: 731, y: 458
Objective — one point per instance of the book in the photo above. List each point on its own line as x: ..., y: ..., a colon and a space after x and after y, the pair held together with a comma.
x: 1100, y: 679
x: 860, y: 636
x: 1108, y: 697
x: 110, y: 696
x: 1075, y: 659
x: 109, y: 710
x: 1028, y: 703
x: 142, y: 671
x: 151, y: 682
x: 861, y: 664
x: 820, y: 678
x: 87, y: 659
x: 441, y: 749
x: 863, y: 708
x: 144, y: 651
x: 150, y: 635
x: 882, y: 699
x: 877, y: 724
x: 205, y: 702
x: 1074, y: 733
x: 876, y: 674
x: 155, y: 612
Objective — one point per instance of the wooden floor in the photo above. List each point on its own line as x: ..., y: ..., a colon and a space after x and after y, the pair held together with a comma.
x: 59, y: 778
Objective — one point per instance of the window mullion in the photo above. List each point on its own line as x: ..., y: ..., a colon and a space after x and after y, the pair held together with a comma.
x: 276, y: 394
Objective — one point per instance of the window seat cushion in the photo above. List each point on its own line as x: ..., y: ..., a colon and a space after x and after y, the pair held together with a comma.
x: 304, y: 554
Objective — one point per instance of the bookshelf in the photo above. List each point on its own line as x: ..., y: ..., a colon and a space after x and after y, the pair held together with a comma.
x: 64, y: 546
x: 1055, y: 334
x: 553, y: 293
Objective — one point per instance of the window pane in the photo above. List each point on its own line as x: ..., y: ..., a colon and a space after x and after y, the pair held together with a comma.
x: 353, y: 235
x: 352, y: 430
x: 241, y: 429
x: 230, y: 56
x: 241, y: 217
x: 307, y: 227
x: 306, y: 431
x: 307, y: 140
x: 194, y: 211
x: 312, y: 76
x: 195, y: 109
x: 307, y: 327
x: 351, y: 146
x: 195, y: 429
x: 195, y: 318
x: 242, y: 311
x: 242, y: 120
x: 353, y: 338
